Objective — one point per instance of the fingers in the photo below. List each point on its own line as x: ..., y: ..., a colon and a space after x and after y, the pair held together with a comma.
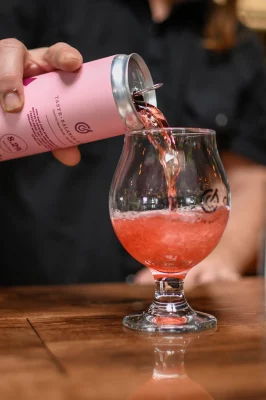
x: 69, y: 156
x: 59, y: 56
x: 12, y: 56
x: 204, y: 274
x: 17, y: 62
x: 36, y: 64
x: 143, y: 277
x: 64, y: 57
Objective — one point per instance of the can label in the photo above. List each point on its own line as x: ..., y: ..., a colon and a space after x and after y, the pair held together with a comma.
x: 62, y: 109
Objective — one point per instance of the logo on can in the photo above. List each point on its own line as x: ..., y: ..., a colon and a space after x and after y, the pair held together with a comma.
x: 82, y: 127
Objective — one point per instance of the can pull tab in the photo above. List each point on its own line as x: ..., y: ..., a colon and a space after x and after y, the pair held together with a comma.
x: 145, y: 90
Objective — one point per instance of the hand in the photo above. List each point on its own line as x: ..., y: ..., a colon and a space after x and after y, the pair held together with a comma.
x: 17, y: 62
x: 210, y: 271
x: 144, y: 277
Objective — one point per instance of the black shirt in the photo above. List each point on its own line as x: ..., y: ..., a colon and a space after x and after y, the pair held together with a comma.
x: 55, y: 225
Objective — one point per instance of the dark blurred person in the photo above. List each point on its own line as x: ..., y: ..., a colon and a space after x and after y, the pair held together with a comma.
x: 54, y: 218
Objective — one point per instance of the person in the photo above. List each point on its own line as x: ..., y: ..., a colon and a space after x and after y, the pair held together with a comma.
x: 54, y: 209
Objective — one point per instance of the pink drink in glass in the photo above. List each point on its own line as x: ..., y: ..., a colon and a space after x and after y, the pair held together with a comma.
x: 170, y: 242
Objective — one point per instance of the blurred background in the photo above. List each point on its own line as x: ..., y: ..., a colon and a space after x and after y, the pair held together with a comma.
x: 252, y: 13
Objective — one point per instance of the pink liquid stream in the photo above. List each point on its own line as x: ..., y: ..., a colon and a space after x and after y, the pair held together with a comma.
x: 164, y: 143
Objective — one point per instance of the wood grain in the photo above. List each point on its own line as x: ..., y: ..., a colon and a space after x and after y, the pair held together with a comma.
x: 68, y: 343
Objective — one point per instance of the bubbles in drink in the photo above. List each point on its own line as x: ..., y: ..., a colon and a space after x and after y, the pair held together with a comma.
x: 170, y: 242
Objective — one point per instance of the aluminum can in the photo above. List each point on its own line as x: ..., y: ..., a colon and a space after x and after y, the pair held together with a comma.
x: 64, y: 109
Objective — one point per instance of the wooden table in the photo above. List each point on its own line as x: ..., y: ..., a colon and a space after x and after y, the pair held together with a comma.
x: 69, y: 343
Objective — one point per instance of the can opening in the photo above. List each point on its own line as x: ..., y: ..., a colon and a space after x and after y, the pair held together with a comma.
x: 130, y: 73
x: 139, y: 78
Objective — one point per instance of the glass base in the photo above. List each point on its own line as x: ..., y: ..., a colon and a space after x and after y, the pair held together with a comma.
x: 191, y: 322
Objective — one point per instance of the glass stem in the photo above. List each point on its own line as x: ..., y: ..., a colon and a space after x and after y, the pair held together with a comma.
x: 169, y: 296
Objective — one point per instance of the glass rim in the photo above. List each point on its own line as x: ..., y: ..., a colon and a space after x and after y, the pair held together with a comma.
x: 175, y: 131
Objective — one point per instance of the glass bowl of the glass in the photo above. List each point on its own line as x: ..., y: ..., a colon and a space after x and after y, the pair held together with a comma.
x: 169, y: 205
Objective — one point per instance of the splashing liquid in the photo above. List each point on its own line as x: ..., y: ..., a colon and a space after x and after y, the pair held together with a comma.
x: 164, y: 143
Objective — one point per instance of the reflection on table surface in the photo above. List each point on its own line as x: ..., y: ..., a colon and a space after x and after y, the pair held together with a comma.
x: 169, y: 379
x: 69, y: 343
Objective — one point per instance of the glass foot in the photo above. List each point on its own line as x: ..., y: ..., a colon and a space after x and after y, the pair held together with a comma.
x: 191, y: 322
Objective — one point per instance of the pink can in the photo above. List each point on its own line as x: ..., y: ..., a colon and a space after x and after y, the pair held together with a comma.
x: 65, y: 109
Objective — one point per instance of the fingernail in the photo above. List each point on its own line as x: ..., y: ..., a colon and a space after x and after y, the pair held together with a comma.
x: 70, y: 56
x: 11, y: 101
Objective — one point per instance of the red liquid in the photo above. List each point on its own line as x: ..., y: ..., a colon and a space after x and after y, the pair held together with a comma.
x: 170, y: 241
x: 164, y: 143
